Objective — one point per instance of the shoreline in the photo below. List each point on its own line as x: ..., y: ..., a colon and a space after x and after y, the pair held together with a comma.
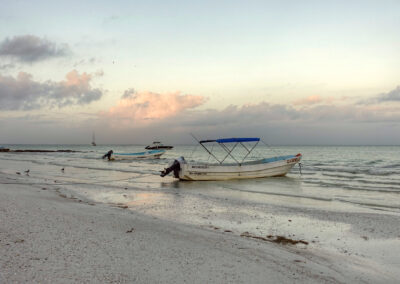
x: 48, y: 237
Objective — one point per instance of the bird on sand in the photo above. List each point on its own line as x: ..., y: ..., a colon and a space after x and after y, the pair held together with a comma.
x: 62, y: 169
x: 27, y: 172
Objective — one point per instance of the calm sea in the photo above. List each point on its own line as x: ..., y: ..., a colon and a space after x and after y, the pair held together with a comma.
x: 360, y: 176
x: 355, y: 178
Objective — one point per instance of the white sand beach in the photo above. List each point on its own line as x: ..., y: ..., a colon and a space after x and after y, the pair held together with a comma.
x: 48, y: 237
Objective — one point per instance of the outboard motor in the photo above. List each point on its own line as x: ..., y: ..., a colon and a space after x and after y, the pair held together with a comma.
x: 176, y: 167
x: 108, y: 155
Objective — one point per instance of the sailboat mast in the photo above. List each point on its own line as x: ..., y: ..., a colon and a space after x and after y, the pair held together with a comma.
x: 93, y: 141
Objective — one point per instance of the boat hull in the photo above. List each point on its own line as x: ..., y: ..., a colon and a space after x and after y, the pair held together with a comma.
x: 272, y: 167
x: 155, y: 154
x: 159, y: 147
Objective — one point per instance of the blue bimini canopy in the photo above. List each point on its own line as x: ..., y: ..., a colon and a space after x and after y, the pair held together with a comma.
x: 231, y: 140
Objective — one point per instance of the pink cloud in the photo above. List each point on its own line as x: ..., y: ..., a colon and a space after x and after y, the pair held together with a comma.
x: 310, y: 100
x: 147, y: 106
x: 76, y: 79
x: 317, y: 99
x: 24, y: 93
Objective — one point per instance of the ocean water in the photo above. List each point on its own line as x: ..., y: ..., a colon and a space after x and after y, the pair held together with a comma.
x: 342, y: 195
x: 362, y: 177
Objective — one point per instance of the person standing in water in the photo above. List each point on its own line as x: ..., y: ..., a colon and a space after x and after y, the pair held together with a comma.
x: 108, y: 155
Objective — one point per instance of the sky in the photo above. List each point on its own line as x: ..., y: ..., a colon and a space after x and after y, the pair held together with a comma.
x: 291, y: 72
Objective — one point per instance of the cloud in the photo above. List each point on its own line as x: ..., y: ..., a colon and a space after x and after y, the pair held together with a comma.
x: 264, y: 115
x: 147, y: 106
x: 392, y: 96
x: 89, y: 61
x: 317, y: 99
x: 128, y: 93
x: 277, y: 124
x: 30, y: 48
x: 175, y: 111
x: 23, y: 93
x: 7, y: 66
x: 250, y: 114
x: 309, y: 100
x: 142, y: 117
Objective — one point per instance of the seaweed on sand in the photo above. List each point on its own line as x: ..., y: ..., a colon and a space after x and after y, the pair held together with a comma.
x: 275, y: 239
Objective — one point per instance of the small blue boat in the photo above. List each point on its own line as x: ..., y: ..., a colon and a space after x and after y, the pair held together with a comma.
x: 153, y: 154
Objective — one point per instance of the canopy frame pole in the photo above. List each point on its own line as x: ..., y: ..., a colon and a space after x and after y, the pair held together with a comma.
x: 205, y: 148
x: 229, y: 152
x: 212, y: 148
x: 210, y: 153
x: 249, y: 151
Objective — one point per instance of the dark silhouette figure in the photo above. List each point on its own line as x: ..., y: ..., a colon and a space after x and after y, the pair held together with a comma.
x: 108, y: 155
x: 176, y: 167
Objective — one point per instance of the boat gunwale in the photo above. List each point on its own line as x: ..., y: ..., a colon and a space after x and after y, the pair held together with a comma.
x: 245, y: 171
x: 151, y: 152
x: 255, y: 162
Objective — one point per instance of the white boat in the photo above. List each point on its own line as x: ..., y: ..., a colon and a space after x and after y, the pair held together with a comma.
x: 267, y: 167
x: 153, y: 154
x: 158, y: 145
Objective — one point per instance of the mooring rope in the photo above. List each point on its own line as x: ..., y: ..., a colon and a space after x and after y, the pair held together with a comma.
x: 266, y: 144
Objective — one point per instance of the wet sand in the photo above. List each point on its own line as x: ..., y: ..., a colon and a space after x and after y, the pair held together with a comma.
x: 48, y: 237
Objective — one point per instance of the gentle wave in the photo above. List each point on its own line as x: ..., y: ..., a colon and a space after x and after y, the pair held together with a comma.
x: 392, y: 166
x: 374, y: 162
x: 353, y: 187
x: 379, y: 182
x: 375, y: 172
x: 371, y: 205
x: 284, y: 194
x: 342, y: 176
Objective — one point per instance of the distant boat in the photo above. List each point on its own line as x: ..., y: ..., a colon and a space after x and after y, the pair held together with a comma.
x: 152, y: 154
x: 266, y: 167
x: 158, y: 145
x: 93, y: 140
